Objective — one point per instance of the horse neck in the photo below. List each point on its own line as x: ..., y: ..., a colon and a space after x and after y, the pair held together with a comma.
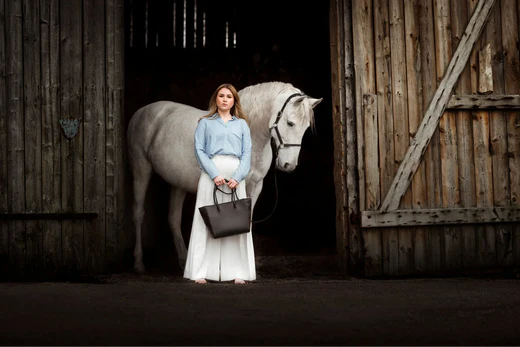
x: 262, y: 102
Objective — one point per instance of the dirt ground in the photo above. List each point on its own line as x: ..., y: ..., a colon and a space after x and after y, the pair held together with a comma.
x: 313, y: 310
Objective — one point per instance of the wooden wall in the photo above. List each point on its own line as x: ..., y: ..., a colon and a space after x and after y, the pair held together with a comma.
x: 401, y: 52
x: 60, y: 59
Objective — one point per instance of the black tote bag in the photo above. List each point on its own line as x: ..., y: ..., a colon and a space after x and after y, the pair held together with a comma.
x: 228, y: 218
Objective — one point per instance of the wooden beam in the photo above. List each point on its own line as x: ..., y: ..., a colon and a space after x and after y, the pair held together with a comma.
x: 470, y: 102
x: 436, y: 108
x: 448, y: 216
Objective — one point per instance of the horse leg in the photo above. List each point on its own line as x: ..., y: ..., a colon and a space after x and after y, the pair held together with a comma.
x: 141, y: 180
x: 174, y: 218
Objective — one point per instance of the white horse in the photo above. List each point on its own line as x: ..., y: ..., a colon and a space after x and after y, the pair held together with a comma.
x: 161, y: 139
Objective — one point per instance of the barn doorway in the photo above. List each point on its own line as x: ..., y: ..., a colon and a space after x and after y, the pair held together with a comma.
x: 181, y: 50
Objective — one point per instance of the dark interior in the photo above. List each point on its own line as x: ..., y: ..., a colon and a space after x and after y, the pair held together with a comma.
x: 266, y: 41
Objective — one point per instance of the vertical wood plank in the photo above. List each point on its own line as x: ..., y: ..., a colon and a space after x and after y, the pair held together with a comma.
x: 510, y: 38
x: 114, y: 135
x: 371, y: 153
x: 372, y: 238
x: 363, y: 43
x: 337, y: 40
x: 94, y: 132
x: 387, y: 164
x: 498, y: 140
x: 448, y: 138
x: 4, y: 226
x: 355, y: 238
x: 72, y: 149
x: 201, y: 8
x: 467, y: 240
x: 15, y: 142
x: 189, y: 25
x: 472, y: 247
x: 32, y: 134
x: 364, y: 68
x: 483, y: 164
x: 51, y: 164
x: 415, y: 112
x: 432, y: 164
x: 402, y: 262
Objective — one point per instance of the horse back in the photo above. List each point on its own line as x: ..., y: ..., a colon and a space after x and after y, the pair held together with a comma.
x: 163, y: 134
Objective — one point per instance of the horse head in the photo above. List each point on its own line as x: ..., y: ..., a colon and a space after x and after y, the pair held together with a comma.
x: 289, y: 126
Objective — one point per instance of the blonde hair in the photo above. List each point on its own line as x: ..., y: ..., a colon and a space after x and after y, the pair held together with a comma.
x: 236, y: 110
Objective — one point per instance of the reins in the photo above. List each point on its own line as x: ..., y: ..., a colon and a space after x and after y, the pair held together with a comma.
x: 276, y: 190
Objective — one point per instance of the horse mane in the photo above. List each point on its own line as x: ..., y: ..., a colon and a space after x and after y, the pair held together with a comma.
x: 253, y: 98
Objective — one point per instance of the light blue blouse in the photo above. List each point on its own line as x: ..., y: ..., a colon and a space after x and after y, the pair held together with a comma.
x: 214, y: 137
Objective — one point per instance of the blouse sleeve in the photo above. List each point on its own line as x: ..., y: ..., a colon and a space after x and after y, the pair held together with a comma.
x: 200, y: 151
x: 245, y: 158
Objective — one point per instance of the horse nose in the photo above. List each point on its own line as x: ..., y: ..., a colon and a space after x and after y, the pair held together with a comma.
x: 286, y: 166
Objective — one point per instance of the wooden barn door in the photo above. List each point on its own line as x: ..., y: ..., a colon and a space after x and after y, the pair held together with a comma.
x: 60, y: 137
x: 422, y: 164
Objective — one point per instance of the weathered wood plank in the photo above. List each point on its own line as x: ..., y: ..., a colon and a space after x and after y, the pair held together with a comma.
x: 115, y: 167
x: 484, y: 184
x: 471, y: 244
x: 514, y: 145
x: 387, y: 166
x: 94, y: 132
x: 432, y: 156
x: 498, y: 139
x: 448, y: 138
x: 445, y: 216
x: 355, y: 242
x: 466, y: 236
x: 415, y: 112
x: 32, y: 134
x: 365, y: 72
x: 401, y: 129
x: 492, y: 101
x: 371, y: 153
x: 338, y: 105
x: 372, y: 239
x: 72, y: 149
x: 363, y: 59
x: 51, y: 163
x: 483, y: 174
x: 15, y: 145
x: 510, y: 38
x: 485, y: 81
x: 4, y: 226
x: 437, y: 106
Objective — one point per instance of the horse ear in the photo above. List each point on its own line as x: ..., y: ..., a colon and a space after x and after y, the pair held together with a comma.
x: 314, y: 102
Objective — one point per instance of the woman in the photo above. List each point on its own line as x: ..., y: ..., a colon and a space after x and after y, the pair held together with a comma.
x: 223, y: 150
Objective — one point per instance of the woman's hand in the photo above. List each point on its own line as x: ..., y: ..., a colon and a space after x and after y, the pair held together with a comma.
x: 219, y: 180
x: 232, y: 183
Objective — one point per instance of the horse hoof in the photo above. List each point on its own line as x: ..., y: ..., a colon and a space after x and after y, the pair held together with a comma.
x: 139, y: 269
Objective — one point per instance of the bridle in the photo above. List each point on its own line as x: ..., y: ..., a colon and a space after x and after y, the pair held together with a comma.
x: 281, y: 144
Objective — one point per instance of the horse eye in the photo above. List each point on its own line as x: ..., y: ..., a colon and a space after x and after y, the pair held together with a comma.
x: 291, y: 124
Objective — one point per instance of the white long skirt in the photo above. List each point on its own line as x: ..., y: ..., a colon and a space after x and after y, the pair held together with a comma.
x: 221, y: 259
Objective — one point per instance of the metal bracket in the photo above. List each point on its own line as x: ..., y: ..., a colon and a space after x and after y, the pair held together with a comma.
x: 70, y: 127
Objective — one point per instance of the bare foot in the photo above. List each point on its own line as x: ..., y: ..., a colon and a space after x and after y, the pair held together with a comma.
x: 201, y: 281
x: 239, y: 281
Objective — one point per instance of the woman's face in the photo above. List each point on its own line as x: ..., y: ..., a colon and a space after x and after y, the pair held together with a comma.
x: 225, y: 100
